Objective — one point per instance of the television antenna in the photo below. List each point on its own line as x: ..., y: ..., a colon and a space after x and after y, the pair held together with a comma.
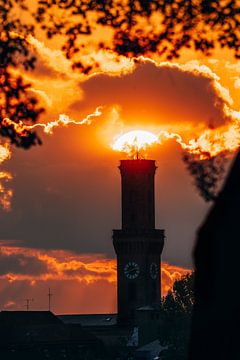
x: 50, y: 295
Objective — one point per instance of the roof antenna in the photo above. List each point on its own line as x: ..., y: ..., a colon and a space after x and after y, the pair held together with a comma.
x: 27, y: 305
x: 49, y: 299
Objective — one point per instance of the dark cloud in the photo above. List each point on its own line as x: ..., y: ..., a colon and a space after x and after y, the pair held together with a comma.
x: 160, y: 95
x: 21, y: 264
x: 67, y: 196
x: 67, y: 192
x: 83, y: 272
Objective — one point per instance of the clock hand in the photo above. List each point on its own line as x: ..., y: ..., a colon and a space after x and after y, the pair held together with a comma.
x: 132, y: 271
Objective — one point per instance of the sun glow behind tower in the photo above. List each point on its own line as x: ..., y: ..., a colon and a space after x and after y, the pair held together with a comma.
x: 134, y: 143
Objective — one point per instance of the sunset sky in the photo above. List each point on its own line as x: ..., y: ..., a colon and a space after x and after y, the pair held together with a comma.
x: 66, y: 193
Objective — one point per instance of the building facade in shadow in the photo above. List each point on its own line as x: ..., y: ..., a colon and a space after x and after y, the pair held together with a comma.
x: 216, y: 315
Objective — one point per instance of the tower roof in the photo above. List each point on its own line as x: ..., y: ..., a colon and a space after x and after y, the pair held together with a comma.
x: 136, y: 165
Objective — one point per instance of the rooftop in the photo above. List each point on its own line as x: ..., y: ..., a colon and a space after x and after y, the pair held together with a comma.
x: 90, y: 320
x: 28, y: 318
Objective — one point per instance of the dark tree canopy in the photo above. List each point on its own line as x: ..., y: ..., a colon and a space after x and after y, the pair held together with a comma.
x: 206, y: 173
x: 136, y: 27
x: 16, y: 102
x: 162, y: 27
x: 177, y: 308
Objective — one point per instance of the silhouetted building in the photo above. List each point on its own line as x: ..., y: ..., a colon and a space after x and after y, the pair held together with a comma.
x: 138, y: 244
x: 41, y: 335
x: 138, y: 247
x: 216, y: 315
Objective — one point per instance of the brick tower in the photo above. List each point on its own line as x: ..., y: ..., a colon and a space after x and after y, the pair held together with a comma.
x: 138, y: 244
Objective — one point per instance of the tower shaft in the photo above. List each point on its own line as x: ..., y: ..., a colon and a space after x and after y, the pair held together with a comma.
x: 138, y: 244
x: 138, y: 211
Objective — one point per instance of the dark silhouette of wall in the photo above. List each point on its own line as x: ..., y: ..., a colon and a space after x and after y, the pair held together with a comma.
x: 216, y: 315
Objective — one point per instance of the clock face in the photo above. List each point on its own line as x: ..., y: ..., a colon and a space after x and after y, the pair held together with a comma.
x: 131, y: 270
x: 153, y: 270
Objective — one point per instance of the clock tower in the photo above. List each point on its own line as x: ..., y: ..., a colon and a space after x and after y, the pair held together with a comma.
x: 138, y: 244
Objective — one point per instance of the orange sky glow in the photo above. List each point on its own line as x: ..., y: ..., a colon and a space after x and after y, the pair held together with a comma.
x: 78, y: 276
x: 60, y: 201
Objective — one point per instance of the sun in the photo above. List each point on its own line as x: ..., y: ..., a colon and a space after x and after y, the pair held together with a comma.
x: 134, y: 143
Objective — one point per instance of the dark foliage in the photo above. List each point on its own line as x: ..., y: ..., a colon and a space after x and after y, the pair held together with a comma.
x: 177, y: 310
x: 144, y: 27
x: 206, y: 173
x: 180, y: 24
x: 15, y: 100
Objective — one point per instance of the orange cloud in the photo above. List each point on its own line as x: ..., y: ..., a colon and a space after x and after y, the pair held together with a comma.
x: 193, y: 110
x: 25, y: 271
x: 104, y: 61
x: 63, y: 120
x: 211, y: 126
x: 5, y: 177
x: 170, y: 273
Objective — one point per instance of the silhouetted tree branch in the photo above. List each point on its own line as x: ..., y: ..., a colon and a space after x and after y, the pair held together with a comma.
x: 16, y: 102
x: 177, y: 308
x: 206, y: 173
x: 138, y: 27
x: 163, y: 27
